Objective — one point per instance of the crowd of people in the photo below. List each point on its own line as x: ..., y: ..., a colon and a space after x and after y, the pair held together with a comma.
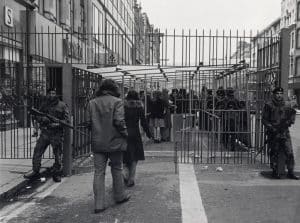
x: 116, y: 138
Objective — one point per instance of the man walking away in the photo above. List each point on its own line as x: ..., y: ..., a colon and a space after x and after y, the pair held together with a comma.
x: 105, y: 116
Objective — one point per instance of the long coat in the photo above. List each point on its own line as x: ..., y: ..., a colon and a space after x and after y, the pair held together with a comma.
x: 134, y: 114
x: 105, y: 114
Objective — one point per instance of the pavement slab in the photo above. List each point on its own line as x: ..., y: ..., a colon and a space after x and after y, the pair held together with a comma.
x: 155, y: 198
x: 243, y: 194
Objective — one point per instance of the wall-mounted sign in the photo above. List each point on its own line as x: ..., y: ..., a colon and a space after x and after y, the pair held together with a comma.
x: 8, y: 16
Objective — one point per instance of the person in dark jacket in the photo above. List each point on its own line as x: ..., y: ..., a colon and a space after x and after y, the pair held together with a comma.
x: 157, y: 115
x: 52, y: 133
x: 166, y: 131
x: 105, y: 116
x: 277, y: 117
x: 134, y: 114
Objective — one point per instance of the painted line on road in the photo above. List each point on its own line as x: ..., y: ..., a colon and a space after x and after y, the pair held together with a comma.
x: 191, y: 203
x: 17, y: 208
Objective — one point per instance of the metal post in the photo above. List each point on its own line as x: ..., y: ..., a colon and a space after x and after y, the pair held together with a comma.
x: 145, y: 93
x: 67, y: 92
x: 284, y: 60
x: 123, y: 93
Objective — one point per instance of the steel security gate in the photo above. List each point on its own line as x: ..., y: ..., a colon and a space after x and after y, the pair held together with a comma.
x: 85, y: 85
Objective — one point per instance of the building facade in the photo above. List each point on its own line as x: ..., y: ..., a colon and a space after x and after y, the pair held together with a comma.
x: 290, y: 20
x: 147, y: 39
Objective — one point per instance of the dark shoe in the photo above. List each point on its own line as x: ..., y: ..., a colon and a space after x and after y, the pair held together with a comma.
x: 56, y: 178
x: 97, y: 211
x: 125, y: 199
x: 276, y: 175
x: 292, y: 176
x: 130, y: 184
x: 32, y: 175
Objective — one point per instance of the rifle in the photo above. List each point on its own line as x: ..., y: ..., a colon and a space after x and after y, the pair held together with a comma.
x: 55, y: 120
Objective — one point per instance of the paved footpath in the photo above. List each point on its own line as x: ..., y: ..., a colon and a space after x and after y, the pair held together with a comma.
x: 238, y: 194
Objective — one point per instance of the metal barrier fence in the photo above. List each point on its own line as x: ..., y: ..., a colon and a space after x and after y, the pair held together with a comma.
x: 197, y: 64
x: 18, y: 127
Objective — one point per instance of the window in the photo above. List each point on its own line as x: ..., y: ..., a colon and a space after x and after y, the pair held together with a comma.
x: 297, y: 66
x: 292, y: 40
x: 49, y: 8
x: 298, y: 11
x: 82, y: 16
x: 291, y: 66
x: 298, y: 38
x: 98, y: 24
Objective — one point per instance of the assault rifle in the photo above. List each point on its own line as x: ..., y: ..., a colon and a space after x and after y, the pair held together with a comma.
x: 53, y: 119
x: 290, y: 115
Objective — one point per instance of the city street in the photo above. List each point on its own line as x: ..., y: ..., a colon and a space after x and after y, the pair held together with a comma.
x: 206, y: 89
x: 238, y: 194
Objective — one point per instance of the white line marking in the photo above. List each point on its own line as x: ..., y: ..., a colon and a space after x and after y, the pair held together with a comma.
x: 191, y: 203
x: 17, y: 208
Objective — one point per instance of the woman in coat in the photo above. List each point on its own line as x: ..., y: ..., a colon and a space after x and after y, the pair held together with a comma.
x: 134, y: 114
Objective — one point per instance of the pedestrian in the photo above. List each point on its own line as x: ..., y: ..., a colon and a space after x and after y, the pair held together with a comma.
x: 105, y: 116
x: 134, y: 115
x: 277, y: 117
x: 52, y: 133
x: 157, y: 115
x: 166, y: 130
x: 173, y: 100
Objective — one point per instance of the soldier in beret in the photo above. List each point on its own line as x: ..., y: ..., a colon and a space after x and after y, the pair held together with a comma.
x: 277, y: 117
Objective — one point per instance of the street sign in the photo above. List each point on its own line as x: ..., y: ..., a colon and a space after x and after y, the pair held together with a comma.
x: 8, y: 16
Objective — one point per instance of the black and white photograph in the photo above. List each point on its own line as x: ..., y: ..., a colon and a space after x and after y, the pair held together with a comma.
x: 149, y: 111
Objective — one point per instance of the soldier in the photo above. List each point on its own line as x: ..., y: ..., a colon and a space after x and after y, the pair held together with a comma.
x: 231, y: 118
x: 277, y: 117
x: 51, y: 134
x: 220, y: 106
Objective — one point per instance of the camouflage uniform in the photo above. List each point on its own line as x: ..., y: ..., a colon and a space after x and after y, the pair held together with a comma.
x: 277, y: 117
x: 51, y: 134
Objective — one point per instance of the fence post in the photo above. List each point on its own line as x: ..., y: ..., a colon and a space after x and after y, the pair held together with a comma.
x: 284, y: 59
x: 67, y: 87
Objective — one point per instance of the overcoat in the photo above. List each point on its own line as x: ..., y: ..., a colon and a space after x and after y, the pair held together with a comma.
x: 134, y: 114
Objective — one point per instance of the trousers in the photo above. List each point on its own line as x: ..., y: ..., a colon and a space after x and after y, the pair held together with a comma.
x: 100, y: 163
x: 55, y: 140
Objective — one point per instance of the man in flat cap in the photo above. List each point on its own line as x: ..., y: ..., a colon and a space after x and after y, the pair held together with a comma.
x: 277, y: 117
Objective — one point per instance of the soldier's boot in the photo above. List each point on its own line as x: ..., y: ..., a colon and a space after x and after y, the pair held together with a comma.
x: 32, y: 175
x: 56, y: 178
x: 292, y: 175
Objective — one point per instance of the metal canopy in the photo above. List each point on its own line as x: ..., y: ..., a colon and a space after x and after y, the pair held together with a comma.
x: 165, y: 73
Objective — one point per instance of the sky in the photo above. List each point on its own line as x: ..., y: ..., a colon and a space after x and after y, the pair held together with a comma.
x: 241, y: 15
